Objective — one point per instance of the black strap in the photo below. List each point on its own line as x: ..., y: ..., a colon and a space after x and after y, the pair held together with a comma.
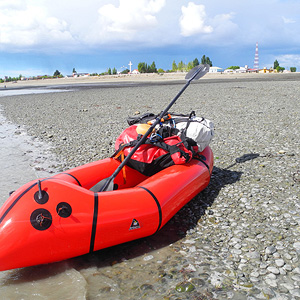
x: 158, y: 206
x: 141, y: 119
x: 94, y: 224
x: 73, y: 178
x: 172, y: 149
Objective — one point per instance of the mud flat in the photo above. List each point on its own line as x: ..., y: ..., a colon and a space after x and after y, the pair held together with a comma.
x: 238, y: 239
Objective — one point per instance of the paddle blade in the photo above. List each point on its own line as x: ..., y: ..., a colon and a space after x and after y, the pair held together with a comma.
x: 197, y: 72
x: 99, y: 186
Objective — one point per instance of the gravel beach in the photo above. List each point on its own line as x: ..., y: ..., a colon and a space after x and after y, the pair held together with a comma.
x: 239, y: 238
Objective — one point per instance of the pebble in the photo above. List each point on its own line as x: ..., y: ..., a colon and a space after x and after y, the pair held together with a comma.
x: 288, y: 268
x: 253, y: 255
x: 279, y: 262
x: 296, y: 277
x: 148, y: 257
x: 297, y: 270
x: 273, y: 270
x: 254, y: 274
x: 297, y: 246
x: 271, y: 282
x: 288, y: 286
x: 295, y: 292
x: 270, y: 250
x: 287, y: 256
x: 263, y: 266
x: 240, y: 236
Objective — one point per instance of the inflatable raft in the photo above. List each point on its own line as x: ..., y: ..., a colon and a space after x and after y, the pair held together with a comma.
x: 59, y: 217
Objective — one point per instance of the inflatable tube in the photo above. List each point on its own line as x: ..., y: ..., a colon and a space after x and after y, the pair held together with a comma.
x: 59, y: 217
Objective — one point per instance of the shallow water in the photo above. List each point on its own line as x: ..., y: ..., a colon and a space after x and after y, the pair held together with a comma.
x: 21, y: 158
x: 15, y: 92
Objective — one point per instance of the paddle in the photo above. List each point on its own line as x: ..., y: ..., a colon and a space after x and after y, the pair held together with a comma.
x: 194, y: 74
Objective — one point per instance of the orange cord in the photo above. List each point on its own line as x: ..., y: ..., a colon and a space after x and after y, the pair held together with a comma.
x: 121, y: 153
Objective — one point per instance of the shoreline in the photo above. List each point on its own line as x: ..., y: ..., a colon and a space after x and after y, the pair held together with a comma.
x: 141, y: 79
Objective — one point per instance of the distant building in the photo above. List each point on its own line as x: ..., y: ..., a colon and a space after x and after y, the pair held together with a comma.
x: 215, y: 70
x: 135, y: 71
x: 83, y: 74
x: 265, y: 70
x: 242, y: 69
x: 239, y: 70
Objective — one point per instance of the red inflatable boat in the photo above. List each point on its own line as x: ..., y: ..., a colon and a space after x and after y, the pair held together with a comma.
x: 63, y: 216
x: 56, y: 218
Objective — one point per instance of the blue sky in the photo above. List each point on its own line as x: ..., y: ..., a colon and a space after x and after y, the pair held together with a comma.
x: 39, y: 37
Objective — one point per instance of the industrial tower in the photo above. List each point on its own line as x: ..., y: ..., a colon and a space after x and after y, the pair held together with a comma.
x: 256, y: 60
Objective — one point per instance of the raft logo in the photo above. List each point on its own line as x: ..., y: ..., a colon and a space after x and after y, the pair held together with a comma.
x: 134, y: 224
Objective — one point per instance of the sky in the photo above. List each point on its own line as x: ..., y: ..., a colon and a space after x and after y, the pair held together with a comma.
x: 38, y: 37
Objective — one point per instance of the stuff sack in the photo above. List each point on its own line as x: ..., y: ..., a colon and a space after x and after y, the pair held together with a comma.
x: 155, y: 154
x: 200, y: 130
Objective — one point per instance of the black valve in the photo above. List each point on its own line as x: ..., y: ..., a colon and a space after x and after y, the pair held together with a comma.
x: 41, y: 197
x: 64, y: 209
x: 41, y: 219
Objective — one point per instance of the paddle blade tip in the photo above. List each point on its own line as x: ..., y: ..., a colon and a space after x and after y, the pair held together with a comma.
x: 197, y: 72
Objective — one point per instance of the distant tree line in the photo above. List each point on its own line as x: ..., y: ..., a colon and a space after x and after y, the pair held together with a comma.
x: 56, y: 74
x: 143, y: 67
x: 281, y: 69
x: 9, y: 79
x: 181, y: 66
x: 277, y: 67
x: 111, y: 71
x: 234, y: 67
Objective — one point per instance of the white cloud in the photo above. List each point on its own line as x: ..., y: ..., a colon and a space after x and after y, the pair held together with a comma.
x: 130, y: 15
x: 11, y: 4
x: 23, y: 26
x: 225, y: 29
x: 289, y: 60
x: 84, y: 26
x: 193, y: 20
x: 288, y: 21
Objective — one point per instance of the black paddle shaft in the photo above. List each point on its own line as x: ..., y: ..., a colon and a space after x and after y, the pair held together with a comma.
x: 195, y: 73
